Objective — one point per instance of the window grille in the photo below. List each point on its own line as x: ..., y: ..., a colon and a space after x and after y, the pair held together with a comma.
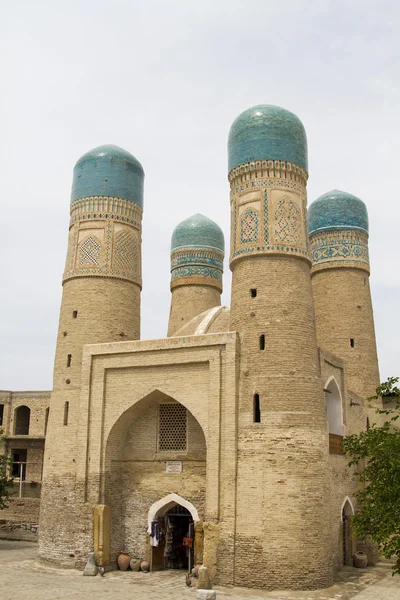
x: 172, y: 427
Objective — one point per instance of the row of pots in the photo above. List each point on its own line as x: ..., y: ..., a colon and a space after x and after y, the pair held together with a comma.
x: 136, y: 564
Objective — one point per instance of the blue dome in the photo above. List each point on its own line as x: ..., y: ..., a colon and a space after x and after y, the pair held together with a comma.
x: 199, y: 232
x: 108, y: 171
x: 337, y: 210
x: 267, y: 132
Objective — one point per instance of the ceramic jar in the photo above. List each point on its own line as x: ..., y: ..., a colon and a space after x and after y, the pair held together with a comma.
x: 123, y: 561
x: 144, y: 566
x: 360, y: 560
x: 135, y: 564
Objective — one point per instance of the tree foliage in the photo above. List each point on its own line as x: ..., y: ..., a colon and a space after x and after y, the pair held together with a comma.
x: 376, y: 452
x: 6, y: 481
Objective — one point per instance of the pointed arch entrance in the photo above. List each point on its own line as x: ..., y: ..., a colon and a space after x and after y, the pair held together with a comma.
x: 146, y: 459
x: 347, y: 538
x: 171, y: 523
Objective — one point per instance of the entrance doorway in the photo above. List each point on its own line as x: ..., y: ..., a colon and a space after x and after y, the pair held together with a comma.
x: 172, y: 540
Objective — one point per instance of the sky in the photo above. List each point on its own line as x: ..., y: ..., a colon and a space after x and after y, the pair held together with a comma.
x: 165, y: 79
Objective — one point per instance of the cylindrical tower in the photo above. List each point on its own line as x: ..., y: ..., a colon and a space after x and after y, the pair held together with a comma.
x: 282, y: 431
x: 197, y: 254
x: 338, y: 227
x: 100, y: 303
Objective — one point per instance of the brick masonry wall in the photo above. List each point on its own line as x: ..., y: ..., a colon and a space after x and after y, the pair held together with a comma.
x: 188, y: 301
x: 343, y: 310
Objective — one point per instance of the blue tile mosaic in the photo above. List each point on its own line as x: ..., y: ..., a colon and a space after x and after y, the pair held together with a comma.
x: 267, y: 132
x: 108, y: 171
x: 198, y: 231
x: 337, y: 210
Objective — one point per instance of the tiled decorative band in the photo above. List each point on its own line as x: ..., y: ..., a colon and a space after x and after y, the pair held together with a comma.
x: 105, y: 207
x: 267, y: 169
x: 339, y: 248
x: 205, y: 257
x: 205, y: 264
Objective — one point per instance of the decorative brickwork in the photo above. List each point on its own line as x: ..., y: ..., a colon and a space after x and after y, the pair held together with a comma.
x: 287, y: 227
x: 339, y: 247
x: 249, y: 226
x: 89, y: 252
x: 119, y: 255
x: 125, y: 254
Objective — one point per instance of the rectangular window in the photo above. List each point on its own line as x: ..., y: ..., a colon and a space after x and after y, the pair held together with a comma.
x: 172, y: 428
x: 253, y: 292
x: 352, y: 342
x: 1, y: 413
x: 66, y: 411
x: 256, y: 409
x: 69, y: 358
x: 262, y: 342
x: 74, y: 314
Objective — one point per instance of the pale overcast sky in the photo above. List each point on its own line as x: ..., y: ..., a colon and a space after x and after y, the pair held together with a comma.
x: 164, y: 79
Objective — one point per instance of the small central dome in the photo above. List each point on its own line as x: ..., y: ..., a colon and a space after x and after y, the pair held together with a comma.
x: 337, y: 210
x: 267, y: 132
x: 198, y: 231
x: 108, y: 171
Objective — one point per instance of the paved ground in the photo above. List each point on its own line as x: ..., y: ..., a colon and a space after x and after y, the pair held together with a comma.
x: 21, y: 578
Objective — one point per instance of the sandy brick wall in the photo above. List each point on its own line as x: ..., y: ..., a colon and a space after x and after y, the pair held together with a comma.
x: 343, y: 310
x: 188, y: 301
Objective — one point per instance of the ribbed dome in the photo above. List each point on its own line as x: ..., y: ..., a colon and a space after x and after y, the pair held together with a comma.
x: 267, y: 132
x: 199, y: 232
x: 337, y: 210
x: 108, y: 171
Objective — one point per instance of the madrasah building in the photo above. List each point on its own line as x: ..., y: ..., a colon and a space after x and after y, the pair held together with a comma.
x: 228, y: 430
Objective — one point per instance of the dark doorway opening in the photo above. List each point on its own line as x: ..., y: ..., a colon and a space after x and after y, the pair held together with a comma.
x: 175, y: 533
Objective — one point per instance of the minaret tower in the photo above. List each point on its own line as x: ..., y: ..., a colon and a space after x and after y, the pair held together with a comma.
x: 197, y: 254
x: 338, y: 226
x: 282, y: 431
x: 100, y: 303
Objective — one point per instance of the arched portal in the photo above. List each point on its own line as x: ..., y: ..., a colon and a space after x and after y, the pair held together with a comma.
x: 156, y: 449
x: 347, y: 539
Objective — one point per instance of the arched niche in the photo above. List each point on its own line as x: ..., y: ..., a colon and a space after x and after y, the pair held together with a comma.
x: 22, y: 417
x: 347, y: 540
x: 334, y: 407
x: 136, y: 471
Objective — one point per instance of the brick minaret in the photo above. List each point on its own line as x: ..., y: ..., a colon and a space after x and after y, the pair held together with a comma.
x: 338, y: 226
x: 282, y: 432
x: 100, y: 303
x: 197, y: 254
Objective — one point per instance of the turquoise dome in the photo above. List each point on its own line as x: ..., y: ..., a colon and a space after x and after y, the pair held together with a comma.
x: 267, y: 132
x: 108, y: 171
x: 199, y: 232
x: 337, y: 210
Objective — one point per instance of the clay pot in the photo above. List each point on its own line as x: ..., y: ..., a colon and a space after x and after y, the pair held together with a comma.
x: 135, y: 564
x: 360, y: 560
x: 123, y: 561
x: 144, y: 566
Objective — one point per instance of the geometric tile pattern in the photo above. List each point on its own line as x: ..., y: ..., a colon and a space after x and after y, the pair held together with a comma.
x: 287, y: 224
x: 249, y: 226
x: 89, y: 252
x: 344, y: 246
x: 172, y: 428
x: 125, y: 251
x: 196, y: 271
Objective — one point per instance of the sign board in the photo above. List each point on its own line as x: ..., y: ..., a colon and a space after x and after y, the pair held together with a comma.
x: 173, y: 466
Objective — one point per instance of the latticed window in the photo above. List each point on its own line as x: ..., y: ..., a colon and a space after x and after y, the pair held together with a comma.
x: 172, y: 429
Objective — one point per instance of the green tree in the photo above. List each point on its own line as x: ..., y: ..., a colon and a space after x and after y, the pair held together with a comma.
x: 6, y: 481
x: 376, y: 451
